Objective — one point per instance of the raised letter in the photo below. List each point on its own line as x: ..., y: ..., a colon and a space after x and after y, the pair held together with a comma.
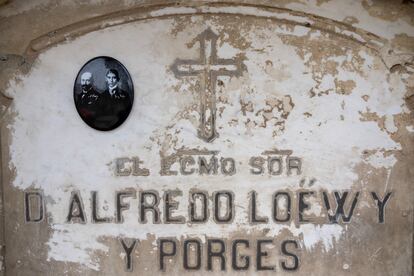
x: 254, y: 218
x: 145, y: 206
x: 163, y: 253
x: 340, y: 202
x: 28, y: 196
x: 275, y: 206
x: 294, y: 163
x: 228, y: 166
x: 76, y: 213
x: 218, y: 254
x: 128, y: 250
x: 136, y: 169
x: 95, y: 215
x: 381, y: 205
x: 235, y: 255
x: 205, y: 167
x: 260, y: 254
x: 166, y: 163
x: 121, y: 205
x: 197, y: 244
x: 204, y: 207
x: 303, y: 205
x: 184, y: 161
x: 270, y: 165
x: 295, y: 265
x: 121, y: 170
x: 171, y: 204
x: 230, y: 206
x: 257, y: 165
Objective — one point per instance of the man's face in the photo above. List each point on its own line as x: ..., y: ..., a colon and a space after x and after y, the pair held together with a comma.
x: 86, y: 81
x: 111, y: 80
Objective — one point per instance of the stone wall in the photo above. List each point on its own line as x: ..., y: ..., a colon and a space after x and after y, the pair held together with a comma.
x: 321, y: 90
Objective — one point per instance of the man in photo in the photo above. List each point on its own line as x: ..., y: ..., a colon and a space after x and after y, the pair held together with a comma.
x: 115, y: 103
x: 87, y: 99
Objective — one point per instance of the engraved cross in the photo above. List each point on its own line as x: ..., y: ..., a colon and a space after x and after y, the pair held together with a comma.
x: 208, y: 67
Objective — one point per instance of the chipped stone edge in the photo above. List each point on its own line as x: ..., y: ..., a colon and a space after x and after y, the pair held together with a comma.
x: 157, y: 11
x: 4, y: 104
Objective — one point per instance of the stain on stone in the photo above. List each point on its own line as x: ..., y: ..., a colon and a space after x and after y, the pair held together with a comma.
x: 365, y: 98
x: 369, y: 116
x: 403, y: 43
x: 279, y: 73
x: 350, y: 20
x: 389, y: 10
x: 273, y: 115
x: 318, y: 54
x: 344, y: 87
x: 246, y: 107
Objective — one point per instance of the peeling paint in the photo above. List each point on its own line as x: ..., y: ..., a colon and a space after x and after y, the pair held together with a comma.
x: 325, y: 95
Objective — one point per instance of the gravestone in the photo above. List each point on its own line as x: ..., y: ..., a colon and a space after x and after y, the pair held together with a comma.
x: 233, y: 138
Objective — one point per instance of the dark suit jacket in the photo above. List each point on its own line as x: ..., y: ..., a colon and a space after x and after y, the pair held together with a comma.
x: 87, y: 104
x: 113, y: 109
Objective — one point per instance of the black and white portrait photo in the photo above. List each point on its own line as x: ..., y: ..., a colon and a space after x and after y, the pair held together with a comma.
x: 103, y: 93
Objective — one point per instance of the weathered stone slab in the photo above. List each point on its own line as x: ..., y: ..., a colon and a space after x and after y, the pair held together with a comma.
x: 260, y: 140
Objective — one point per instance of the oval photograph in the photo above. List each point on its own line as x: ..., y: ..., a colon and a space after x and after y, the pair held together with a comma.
x: 103, y: 93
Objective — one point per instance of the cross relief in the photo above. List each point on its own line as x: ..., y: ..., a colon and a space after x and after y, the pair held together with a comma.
x: 207, y: 67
